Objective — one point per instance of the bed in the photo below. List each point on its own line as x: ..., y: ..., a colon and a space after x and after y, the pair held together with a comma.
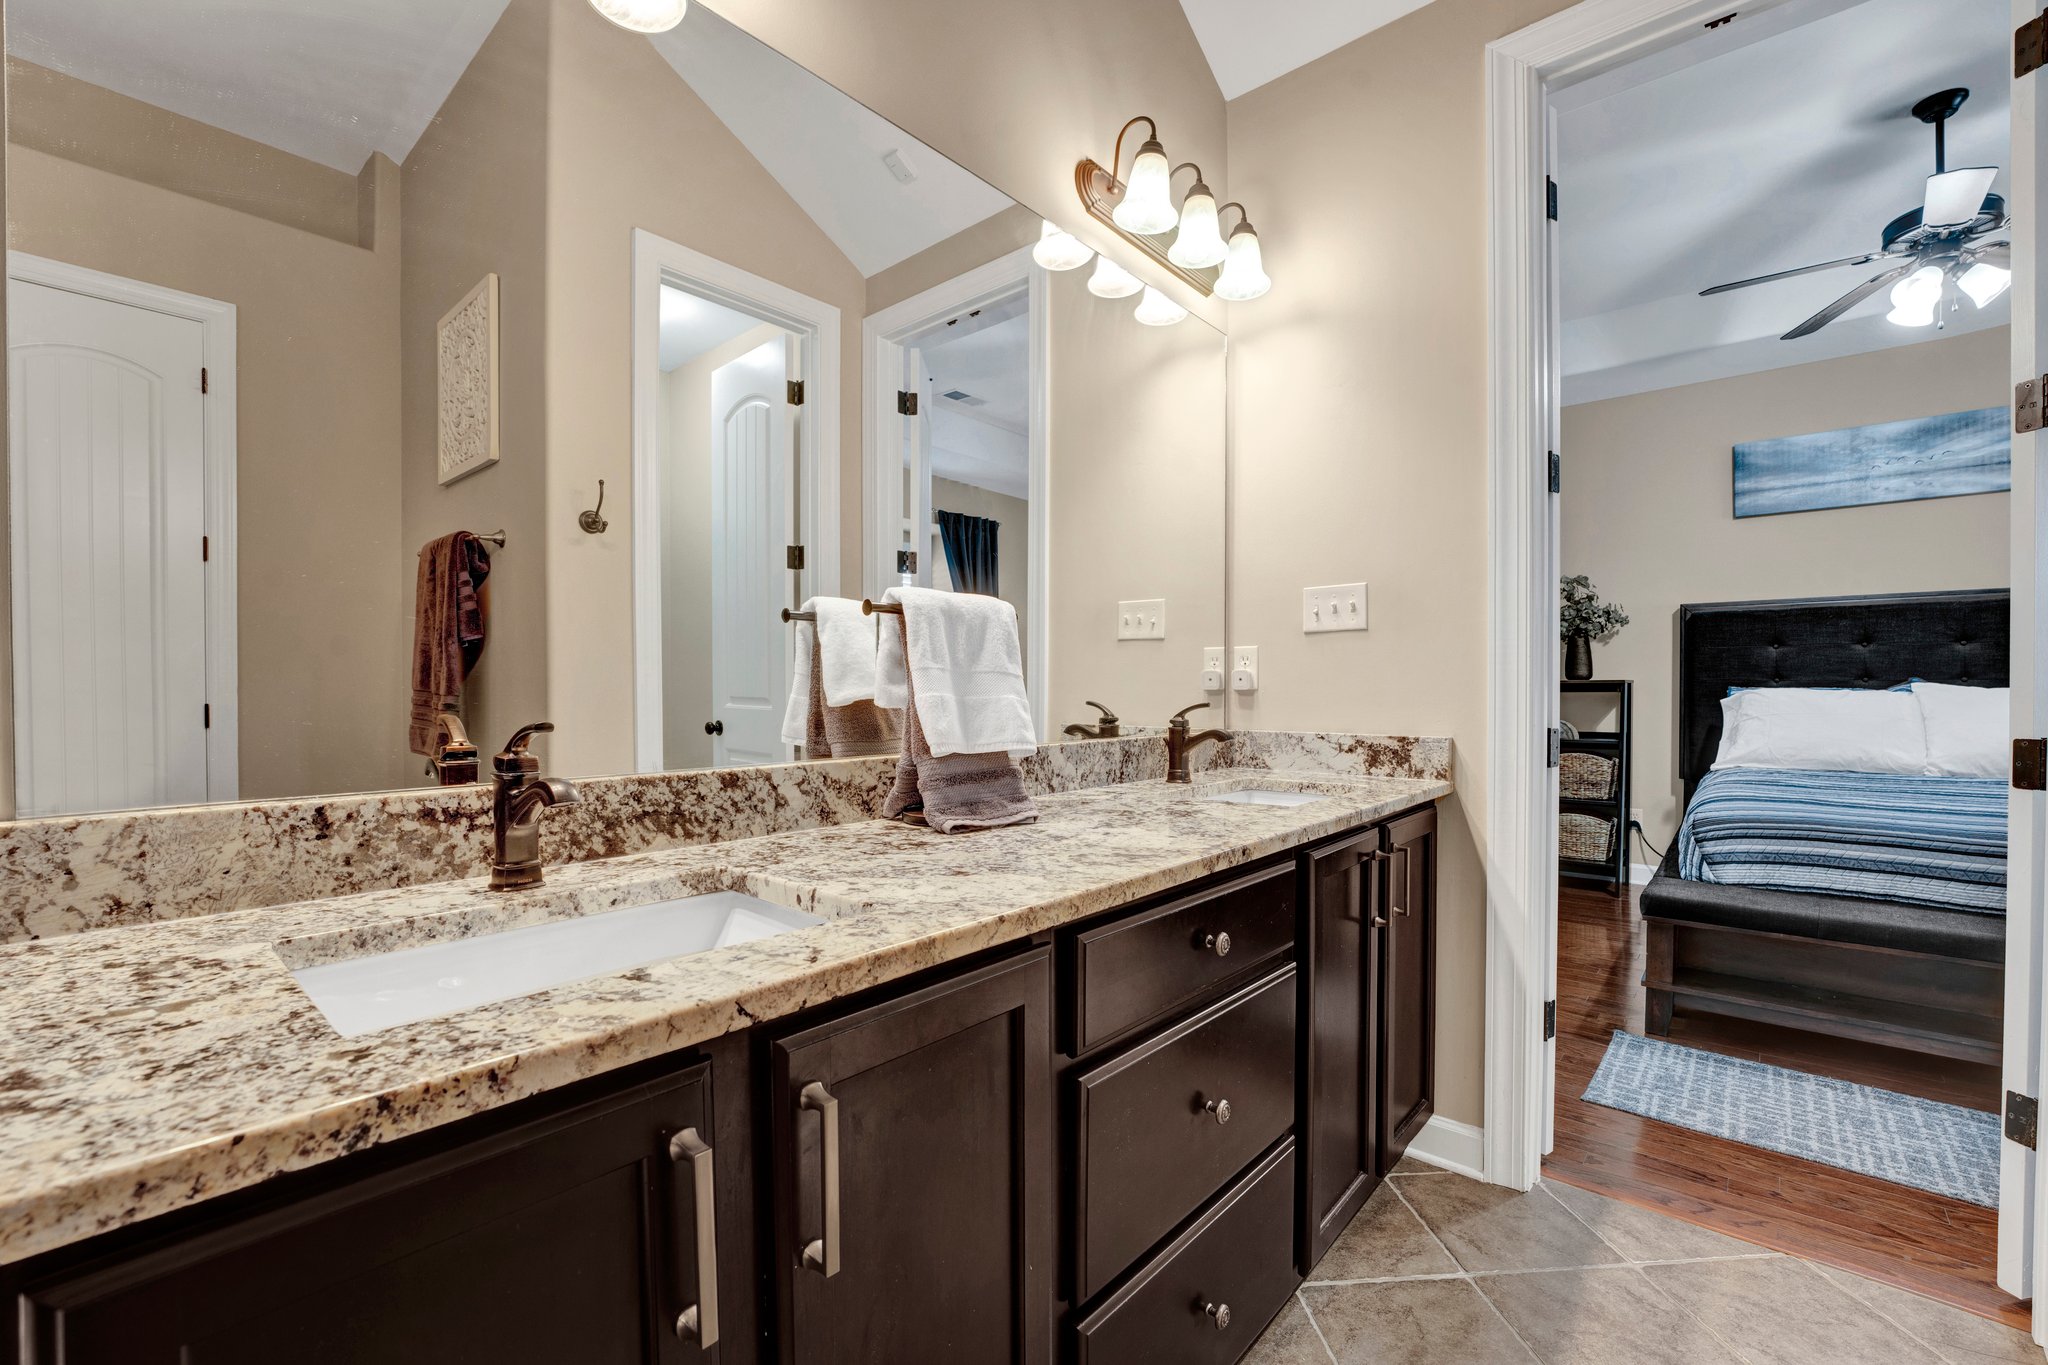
x: 1862, y: 905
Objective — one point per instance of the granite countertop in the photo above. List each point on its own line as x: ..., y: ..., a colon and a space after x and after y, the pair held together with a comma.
x: 147, y: 1068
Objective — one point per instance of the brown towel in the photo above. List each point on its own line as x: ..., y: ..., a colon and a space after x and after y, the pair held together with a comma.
x: 859, y: 730
x: 447, y: 628
x: 958, y: 792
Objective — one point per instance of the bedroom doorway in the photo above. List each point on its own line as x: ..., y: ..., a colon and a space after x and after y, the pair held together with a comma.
x: 1587, y: 950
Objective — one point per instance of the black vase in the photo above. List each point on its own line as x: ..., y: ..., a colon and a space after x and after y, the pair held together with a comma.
x: 1578, y: 658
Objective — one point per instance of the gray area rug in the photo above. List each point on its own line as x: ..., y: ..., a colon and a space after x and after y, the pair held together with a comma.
x: 1908, y: 1141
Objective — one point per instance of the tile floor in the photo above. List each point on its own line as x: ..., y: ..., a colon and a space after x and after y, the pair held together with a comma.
x: 1438, y: 1268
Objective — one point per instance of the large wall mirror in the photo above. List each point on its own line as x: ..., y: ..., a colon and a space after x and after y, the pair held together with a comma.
x: 295, y: 292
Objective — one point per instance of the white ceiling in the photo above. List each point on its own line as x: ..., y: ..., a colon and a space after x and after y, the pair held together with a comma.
x: 690, y: 326
x: 981, y: 439
x: 1250, y: 42
x: 1751, y: 151
x: 329, y: 82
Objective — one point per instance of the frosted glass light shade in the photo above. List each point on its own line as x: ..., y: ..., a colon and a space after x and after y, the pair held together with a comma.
x: 1157, y: 310
x: 1919, y: 290
x: 1984, y: 282
x: 1112, y: 281
x: 1060, y: 250
x: 1199, y: 243
x: 1244, y: 272
x: 1147, y: 206
x: 1956, y: 196
x: 643, y: 16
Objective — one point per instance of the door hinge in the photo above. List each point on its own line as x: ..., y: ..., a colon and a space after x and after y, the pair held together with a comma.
x: 1549, y: 198
x: 796, y: 393
x: 1556, y: 472
x: 906, y: 403
x: 202, y: 379
x: 2030, y: 765
x: 906, y: 561
x: 2030, y: 46
x: 2026, y: 404
x: 205, y: 549
x: 2022, y: 1118
x: 1556, y: 750
x: 793, y: 556
x: 1549, y: 1020
x: 206, y: 716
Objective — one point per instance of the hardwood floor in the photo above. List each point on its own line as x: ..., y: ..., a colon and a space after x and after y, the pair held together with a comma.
x: 1939, y: 1247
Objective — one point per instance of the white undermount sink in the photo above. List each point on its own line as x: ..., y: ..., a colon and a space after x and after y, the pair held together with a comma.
x: 365, y: 994
x: 1262, y: 797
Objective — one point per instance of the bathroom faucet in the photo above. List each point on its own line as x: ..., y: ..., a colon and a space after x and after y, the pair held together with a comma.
x: 1179, y: 742
x: 454, y: 761
x: 1108, y: 728
x: 516, y: 804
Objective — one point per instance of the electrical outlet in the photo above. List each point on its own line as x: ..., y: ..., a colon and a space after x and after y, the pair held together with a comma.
x: 1144, y: 620
x: 1212, y: 669
x: 1342, y: 607
x: 1244, y: 668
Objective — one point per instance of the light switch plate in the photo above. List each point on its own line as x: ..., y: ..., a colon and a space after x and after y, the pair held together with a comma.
x: 1343, y: 606
x: 1144, y: 620
x: 1244, y: 668
x: 1212, y: 669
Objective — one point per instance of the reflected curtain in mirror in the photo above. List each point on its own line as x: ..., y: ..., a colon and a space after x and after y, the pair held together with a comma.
x: 970, y: 545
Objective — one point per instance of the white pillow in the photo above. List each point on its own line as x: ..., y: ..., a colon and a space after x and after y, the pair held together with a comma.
x: 1825, y: 729
x: 1969, y: 729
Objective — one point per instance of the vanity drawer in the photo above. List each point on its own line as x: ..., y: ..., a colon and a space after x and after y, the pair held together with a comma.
x: 1141, y: 968
x: 1149, y: 1151
x: 1237, y: 1258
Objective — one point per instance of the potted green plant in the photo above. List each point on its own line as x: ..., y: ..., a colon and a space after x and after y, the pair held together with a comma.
x: 1582, y: 619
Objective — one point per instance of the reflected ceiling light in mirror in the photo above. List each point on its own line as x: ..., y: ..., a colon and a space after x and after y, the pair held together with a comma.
x: 1199, y: 243
x: 1147, y: 205
x: 643, y: 16
x: 1157, y: 310
x: 1112, y: 281
x: 1244, y: 270
x: 1984, y: 282
x: 1058, y: 249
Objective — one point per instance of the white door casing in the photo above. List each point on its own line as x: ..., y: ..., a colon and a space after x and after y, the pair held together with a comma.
x: 121, y: 474
x: 751, y: 466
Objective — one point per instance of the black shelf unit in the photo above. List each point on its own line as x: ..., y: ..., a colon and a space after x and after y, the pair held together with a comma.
x: 1614, y: 744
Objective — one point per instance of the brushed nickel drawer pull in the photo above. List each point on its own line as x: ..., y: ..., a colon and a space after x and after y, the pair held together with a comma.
x: 823, y: 1254
x: 699, y: 1322
x: 1219, y: 1108
x: 1220, y: 1312
x: 1216, y: 943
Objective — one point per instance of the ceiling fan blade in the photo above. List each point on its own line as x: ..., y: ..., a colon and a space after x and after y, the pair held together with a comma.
x: 1849, y: 300
x: 1788, y: 274
x: 1991, y: 253
x: 1955, y: 197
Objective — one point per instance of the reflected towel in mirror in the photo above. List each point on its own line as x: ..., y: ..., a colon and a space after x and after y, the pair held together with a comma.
x: 952, y: 793
x: 836, y: 659
x: 961, y: 652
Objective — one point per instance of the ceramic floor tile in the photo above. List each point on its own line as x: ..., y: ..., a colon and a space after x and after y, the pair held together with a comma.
x: 1290, y: 1340
x: 1385, y: 1241
x: 1957, y: 1336
x: 1408, y: 1165
x: 1601, y: 1317
x: 1642, y: 1235
x: 1781, y: 1311
x: 1413, y: 1322
x: 1490, y: 1227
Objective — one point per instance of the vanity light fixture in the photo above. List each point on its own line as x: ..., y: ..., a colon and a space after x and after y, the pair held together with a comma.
x: 1058, y: 249
x: 1189, y: 240
x: 643, y: 16
x: 1147, y: 205
x: 1157, y: 310
x: 1112, y: 281
x: 1244, y: 271
x: 1199, y: 244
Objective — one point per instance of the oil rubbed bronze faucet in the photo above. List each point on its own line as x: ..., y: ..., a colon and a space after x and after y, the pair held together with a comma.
x: 454, y: 761
x: 516, y: 804
x: 1179, y: 742
x: 1108, y: 728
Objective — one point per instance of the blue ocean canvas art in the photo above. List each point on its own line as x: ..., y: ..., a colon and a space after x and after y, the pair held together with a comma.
x: 1922, y: 457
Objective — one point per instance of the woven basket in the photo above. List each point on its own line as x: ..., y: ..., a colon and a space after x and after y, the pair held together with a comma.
x: 1587, y: 777
x: 1585, y: 838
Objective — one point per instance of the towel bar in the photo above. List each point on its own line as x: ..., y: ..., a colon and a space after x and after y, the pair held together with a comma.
x: 788, y: 616
x: 868, y: 608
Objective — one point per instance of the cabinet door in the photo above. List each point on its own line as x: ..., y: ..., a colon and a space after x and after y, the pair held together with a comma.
x: 569, y: 1238
x: 912, y: 1143
x: 1407, y: 1041
x: 1339, y: 1124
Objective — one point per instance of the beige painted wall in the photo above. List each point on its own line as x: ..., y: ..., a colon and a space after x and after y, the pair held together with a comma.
x: 323, y: 622
x: 611, y: 173
x: 992, y: 238
x: 1013, y: 542
x: 1648, y: 513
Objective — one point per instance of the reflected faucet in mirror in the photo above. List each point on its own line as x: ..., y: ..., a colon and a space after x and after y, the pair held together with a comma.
x: 516, y: 803
x: 1179, y: 743
x: 1109, y: 727
x: 455, y: 757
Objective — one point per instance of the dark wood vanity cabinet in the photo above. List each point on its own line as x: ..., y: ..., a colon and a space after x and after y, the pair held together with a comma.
x: 1407, y: 1073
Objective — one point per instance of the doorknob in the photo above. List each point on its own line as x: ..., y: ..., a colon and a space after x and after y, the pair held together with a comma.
x: 714, y: 727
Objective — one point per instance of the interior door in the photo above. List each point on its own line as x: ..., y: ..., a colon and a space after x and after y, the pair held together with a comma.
x: 752, y: 478
x: 108, y: 478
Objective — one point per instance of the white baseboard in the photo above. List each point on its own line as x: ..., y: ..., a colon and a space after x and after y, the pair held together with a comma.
x: 1456, y: 1147
x: 1639, y: 874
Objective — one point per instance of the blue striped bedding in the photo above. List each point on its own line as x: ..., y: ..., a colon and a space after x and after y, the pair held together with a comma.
x: 1936, y: 841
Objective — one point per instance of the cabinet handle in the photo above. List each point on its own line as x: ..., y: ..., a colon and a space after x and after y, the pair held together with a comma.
x: 1220, y: 1312
x: 823, y: 1254
x: 1219, y: 1108
x: 1398, y: 881
x: 1218, y: 944
x: 699, y: 1322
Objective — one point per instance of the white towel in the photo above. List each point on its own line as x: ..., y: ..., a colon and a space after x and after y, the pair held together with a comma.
x: 846, y: 639
x: 963, y: 652
x: 796, y: 715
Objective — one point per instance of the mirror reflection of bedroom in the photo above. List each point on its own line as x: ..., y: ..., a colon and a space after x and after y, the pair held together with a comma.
x: 1785, y: 489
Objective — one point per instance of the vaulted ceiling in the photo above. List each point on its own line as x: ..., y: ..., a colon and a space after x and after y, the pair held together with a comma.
x: 1250, y: 42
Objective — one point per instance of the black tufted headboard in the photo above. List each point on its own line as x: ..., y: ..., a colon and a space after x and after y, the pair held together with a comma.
x: 1951, y: 637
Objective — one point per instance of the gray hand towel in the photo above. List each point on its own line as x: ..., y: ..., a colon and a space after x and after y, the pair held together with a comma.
x: 957, y: 792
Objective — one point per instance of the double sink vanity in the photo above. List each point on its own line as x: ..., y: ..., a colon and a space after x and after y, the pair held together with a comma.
x: 1095, y: 1089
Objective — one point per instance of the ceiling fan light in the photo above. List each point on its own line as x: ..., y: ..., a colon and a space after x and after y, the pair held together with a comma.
x: 1919, y: 290
x: 1911, y: 317
x: 1199, y: 244
x: 1058, y: 249
x: 1984, y: 282
x: 1244, y: 273
x: 1157, y: 310
x: 643, y: 16
x: 1112, y: 281
x: 1147, y: 206
x: 1956, y: 197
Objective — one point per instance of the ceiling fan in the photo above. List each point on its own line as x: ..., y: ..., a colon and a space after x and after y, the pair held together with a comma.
x: 1932, y: 253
